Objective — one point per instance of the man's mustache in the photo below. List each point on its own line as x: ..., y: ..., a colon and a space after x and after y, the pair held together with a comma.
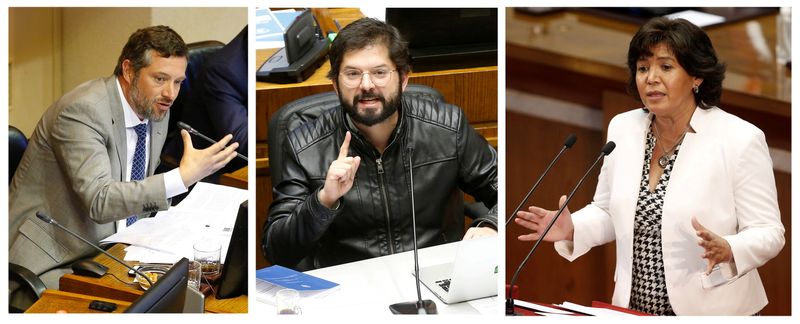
x: 368, y: 96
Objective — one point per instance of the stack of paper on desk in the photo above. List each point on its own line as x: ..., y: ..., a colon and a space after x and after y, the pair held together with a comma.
x: 271, y: 279
x: 209, y: 211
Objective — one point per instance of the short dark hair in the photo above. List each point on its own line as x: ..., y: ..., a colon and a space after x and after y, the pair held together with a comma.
x: 162, y: 39
x: 690, y: 45
x: 365, y: 32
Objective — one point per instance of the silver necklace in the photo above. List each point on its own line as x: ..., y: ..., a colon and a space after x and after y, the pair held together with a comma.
x: 664, y: 159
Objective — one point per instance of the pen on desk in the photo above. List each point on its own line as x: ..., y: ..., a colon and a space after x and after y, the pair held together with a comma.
x: 193, y: 131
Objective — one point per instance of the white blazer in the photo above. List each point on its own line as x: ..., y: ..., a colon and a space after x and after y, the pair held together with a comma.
x: 723, y: 176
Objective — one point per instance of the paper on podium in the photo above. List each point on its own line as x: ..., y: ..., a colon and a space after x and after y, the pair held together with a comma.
x: 145, y: 255
x: 595, y: 311
x: 701, y: 19
x: 209, y: 210
x: 214, y: 198
x: 541, y: 309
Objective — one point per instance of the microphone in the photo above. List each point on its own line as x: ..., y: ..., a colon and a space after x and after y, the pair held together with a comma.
x: 607, y: 149
x: 47, y: 219
x: 568, y: 142
x: 419, y: 307
x: 193, y: 131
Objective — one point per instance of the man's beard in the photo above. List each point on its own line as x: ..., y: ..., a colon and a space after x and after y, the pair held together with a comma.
x: 143, y: 106
x: 369, y: 119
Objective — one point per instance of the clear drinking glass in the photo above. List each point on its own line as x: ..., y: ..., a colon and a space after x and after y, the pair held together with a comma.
x: 195, y: 273
x: 207, y: 252
x: 288, y: 302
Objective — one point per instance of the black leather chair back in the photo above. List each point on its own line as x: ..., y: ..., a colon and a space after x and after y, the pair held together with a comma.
x: 199, y: 53
x: 17, y: 143
x: 309, y: 108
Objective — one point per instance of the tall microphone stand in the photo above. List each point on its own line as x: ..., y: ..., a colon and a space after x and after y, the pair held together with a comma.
x: 49, y: 220
x: 193, y: 131
x: 509, y: 298
x: 419, y: 307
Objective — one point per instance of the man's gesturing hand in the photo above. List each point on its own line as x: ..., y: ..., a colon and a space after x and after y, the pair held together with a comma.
x: 198, y: 164
x: 340, y: 175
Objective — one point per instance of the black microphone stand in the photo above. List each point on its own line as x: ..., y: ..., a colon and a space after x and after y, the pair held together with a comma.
x: 419, y: 307
x: 510, y: 299
x: 49, y: 220
x: 193, y: 131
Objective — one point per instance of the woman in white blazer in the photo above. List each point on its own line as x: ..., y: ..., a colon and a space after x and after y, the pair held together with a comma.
x: 689, y: 193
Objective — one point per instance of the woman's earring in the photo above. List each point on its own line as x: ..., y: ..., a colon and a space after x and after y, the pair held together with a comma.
x: 696, y: 89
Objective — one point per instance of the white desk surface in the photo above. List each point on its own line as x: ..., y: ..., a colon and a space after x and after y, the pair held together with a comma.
x: 369, y: 286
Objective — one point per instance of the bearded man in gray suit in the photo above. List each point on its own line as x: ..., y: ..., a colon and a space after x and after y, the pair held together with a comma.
x: 90, y: 164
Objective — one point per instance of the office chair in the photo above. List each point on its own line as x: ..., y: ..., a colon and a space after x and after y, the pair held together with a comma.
x: 199, y: 52
x: 24, y: 288
x: 17, y: 143
x: 309, y: 108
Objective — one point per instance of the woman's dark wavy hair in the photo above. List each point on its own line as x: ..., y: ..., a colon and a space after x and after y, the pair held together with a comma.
x: 365, y: 32
x: 690, y: 45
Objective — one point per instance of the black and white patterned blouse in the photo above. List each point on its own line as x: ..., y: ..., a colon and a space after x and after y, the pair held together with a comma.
x: 648, y: 289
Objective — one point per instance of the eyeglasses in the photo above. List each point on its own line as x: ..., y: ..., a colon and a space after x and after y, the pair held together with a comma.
x: 379, y: 77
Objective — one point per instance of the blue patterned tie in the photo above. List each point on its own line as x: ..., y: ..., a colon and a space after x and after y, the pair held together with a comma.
x: 139, y: 159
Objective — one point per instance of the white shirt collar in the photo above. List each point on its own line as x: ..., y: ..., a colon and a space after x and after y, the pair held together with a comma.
x: 131, y: 119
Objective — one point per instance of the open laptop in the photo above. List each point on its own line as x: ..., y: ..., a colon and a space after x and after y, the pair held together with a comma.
x: 472, y: 275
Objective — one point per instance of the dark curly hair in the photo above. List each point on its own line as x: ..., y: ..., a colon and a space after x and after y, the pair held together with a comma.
x: 365, y: 32
x: 162, y: 39
x: 692, y: 48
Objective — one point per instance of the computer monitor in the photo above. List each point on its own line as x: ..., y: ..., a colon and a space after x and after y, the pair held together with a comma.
x: 234, y: 271
x: 167, y: 295
x: 447, y: 38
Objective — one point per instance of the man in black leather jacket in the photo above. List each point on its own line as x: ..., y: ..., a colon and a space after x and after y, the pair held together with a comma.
x: 346, y: 190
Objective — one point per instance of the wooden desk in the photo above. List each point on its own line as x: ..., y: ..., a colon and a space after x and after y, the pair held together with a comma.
x: 109, y: 287
x: 56, y: 300
x: 237, y: 179
x: 579, y: 58
x: 472, y: 89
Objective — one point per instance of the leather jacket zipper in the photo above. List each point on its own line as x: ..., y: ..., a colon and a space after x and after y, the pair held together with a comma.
x: 379, y: 162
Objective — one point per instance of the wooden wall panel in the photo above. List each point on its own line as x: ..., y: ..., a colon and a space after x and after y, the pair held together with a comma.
x: 531, y: 145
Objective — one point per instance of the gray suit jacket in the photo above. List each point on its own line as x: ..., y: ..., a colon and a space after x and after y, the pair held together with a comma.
x: 74, y: 170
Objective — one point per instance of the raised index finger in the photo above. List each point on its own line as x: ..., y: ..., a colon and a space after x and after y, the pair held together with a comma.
x: 345, y: 146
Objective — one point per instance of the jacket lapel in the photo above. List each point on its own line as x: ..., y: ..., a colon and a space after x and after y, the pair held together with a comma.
x: 118, y: 120
x: 685, y: 170
x: 629, y: 174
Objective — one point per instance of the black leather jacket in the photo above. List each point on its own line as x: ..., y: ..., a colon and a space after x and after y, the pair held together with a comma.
x: 374, y: 217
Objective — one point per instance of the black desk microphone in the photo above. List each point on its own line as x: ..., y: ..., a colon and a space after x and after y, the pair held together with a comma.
x: 47, y: 219
x: 509, y: 299
x: 193, y: 131
x: 419, y: 307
